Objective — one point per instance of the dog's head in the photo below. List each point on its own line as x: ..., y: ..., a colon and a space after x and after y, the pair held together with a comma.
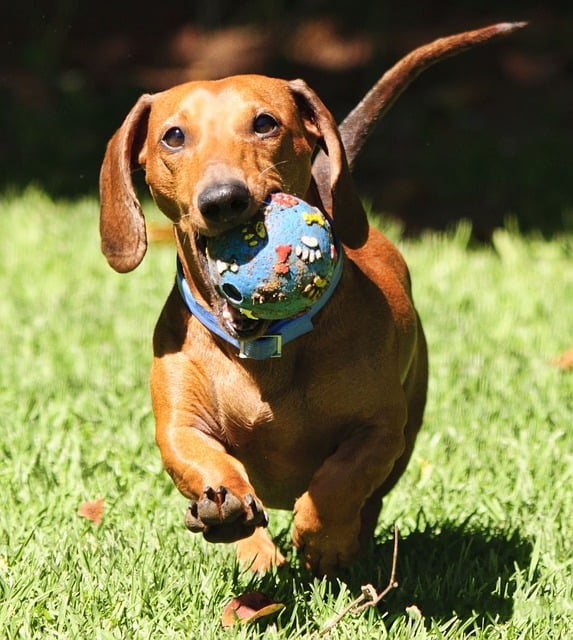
x: 212, y: 153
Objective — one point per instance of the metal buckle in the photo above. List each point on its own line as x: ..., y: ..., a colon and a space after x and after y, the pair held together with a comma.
x: 258, y: 350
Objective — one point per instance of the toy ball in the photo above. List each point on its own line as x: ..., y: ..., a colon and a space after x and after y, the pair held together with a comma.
x: 277, y: 265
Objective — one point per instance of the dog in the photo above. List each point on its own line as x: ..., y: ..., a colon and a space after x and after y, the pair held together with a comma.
x: 324, y: 425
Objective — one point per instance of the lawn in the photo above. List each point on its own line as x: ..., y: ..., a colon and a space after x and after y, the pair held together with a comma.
x: 485, y: 510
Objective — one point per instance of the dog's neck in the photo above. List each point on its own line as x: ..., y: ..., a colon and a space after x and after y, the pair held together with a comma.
x: 280, y: 332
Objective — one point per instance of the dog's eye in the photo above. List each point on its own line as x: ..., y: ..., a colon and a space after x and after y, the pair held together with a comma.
x: 174, y: 138
x: 265, y: 124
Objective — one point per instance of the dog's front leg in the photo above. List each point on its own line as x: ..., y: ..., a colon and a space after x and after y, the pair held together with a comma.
x: 223, y: 503
x: 330, y: 515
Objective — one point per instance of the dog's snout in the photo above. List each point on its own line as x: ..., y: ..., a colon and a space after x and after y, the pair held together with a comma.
x: 224, y: 201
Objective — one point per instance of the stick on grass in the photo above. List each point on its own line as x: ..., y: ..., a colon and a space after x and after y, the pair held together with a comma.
x: 369, y: 596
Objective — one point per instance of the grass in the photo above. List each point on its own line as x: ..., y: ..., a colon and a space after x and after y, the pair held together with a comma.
x: 485, y: 510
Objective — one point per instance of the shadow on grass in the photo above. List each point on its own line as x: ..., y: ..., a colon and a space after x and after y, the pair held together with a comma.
x: 445, y: 570
x: 450, y: 569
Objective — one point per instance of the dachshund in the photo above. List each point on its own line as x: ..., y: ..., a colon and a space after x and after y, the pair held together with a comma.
x: 321, y: 421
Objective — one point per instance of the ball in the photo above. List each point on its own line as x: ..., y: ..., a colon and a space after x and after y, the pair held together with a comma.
x: 277, y: 265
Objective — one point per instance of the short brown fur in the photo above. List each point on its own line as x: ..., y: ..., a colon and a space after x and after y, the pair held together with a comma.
x: 328, y: 428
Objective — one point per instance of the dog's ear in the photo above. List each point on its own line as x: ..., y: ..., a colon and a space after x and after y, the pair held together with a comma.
x: 122, y: 225
x: 350, y: 220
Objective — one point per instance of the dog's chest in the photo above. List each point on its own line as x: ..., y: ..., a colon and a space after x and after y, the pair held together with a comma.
x: 284, y: 423
x: 249, y: 407
x: 291, y: 400
x: 281, y: 439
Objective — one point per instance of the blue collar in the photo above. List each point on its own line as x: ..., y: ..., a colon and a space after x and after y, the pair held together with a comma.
x: 280, y: 332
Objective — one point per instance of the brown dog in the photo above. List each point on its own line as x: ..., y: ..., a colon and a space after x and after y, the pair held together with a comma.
x: 328, y: 427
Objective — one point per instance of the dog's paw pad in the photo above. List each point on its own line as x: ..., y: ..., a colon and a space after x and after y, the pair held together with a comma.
x: 218, y: 506
x: 221, y: 517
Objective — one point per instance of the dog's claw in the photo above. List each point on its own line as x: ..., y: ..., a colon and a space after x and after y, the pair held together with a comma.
x: 221, y: 517
x: 255, y: 514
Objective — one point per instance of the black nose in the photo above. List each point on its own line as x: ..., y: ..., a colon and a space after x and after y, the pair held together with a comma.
x: 225, y: 201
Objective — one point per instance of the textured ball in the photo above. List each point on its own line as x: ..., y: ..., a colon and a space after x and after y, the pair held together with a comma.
x: 278, y: 264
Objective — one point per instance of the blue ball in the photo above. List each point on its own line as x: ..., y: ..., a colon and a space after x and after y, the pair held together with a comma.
x: 277, y: 265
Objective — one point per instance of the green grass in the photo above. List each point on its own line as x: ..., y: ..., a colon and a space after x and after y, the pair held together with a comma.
x: 485, y: 510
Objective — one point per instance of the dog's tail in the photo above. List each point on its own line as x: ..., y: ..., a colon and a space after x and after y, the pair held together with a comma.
x: 360, y: 122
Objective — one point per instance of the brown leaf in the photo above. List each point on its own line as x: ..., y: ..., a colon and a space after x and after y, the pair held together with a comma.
x: 564, y: 361
x: 160, y: 233
x: 248, y: 608
x: 92, y: 510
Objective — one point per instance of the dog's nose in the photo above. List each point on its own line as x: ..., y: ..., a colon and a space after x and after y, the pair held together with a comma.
x: 224, y: 202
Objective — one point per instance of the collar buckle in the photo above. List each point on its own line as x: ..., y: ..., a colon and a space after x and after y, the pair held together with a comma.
x: 268, y: 346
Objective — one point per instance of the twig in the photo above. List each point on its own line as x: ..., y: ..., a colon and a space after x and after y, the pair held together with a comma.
x: 369, y: 596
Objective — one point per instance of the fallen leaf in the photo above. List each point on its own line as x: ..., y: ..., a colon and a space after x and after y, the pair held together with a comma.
x: 92, y: 510
x: 160, y: 233
x: 564, y: 361
x: 248, y: 608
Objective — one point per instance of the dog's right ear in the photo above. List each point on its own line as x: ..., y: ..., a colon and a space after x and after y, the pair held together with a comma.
x: 122, y: 225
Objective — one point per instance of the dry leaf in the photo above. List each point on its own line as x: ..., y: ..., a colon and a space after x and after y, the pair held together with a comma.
x: 564, y: 361
x: 92, y: 510
x: 160, y: 233
x: 248, y: 608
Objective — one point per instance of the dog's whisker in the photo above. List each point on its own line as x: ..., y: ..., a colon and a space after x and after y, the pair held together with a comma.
x: 272, y: 166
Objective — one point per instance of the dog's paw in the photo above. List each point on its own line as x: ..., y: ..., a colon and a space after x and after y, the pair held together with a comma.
x: 324, y: 552
x: 222, y: 517
x: 327, y: 546
x: 258, y: 552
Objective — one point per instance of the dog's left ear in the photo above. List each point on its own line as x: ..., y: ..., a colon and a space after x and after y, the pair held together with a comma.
x: 350, y: 220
